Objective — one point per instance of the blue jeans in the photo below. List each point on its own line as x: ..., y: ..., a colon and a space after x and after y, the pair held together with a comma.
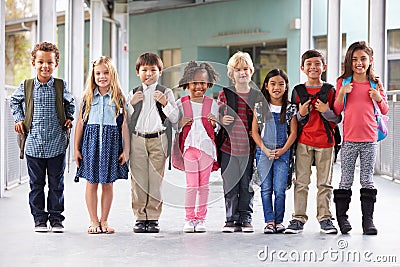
x: 236, y: 174
x: 37, y: 168
x: 274, y: 182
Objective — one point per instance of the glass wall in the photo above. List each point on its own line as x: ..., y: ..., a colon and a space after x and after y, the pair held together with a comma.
x: 393, y: 60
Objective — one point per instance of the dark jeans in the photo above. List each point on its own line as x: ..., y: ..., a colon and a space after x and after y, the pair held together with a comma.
x: 37, y: 168
x: 236, y: 176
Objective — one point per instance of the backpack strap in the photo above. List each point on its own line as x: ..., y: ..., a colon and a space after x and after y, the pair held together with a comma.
x: 348, y: 80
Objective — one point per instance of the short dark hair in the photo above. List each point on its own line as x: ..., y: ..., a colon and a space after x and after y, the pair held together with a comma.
x: 150, y: 59
x: 312, y: 53
x: 46, y: 47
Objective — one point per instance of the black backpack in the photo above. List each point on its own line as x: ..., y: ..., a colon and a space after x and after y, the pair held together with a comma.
x: 232, y: 100
x: 322, y: 95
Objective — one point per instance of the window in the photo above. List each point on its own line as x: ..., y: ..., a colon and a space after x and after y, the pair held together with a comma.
x: 393, y: 60
x: 172, y: 70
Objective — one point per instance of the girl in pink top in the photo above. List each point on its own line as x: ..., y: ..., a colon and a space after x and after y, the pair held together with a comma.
x: 355, y: 100
x: 197, y: 140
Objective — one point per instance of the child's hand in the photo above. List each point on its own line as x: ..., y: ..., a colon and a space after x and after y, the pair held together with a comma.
x: 123, y: 158
x: 374, y: 94
x: 212, y: 119
x: 227, y: 119
x: 137, y: 97
x: 346, y: 89
x: 68, y: 123
x: 185, y: 121
x: 77, y: 157
x: 160, y: 97
x: 279, y: 152
x: 19, y: 127
x: 303, y: 108
x: 321, y: 106
x: 268, y: 152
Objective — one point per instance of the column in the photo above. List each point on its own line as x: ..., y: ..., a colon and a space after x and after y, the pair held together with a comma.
x: 47, y: 21
x: 305, y: 31
x: 96, y: 29
x: 334, y: 40
x: 3, y: 171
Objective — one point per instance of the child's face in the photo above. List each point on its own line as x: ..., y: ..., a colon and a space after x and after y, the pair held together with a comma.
x: 313, y: 67
x: 102, y: 76
x: 199, y: 85
x: 276, y: 87
x: 45, y: 63
x: 360, y: 62
x: 242, y: 75
x: 148, y: 74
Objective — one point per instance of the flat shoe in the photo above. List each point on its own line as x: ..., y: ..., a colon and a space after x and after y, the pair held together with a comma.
x: 94, y: 228
x: 105, y: 228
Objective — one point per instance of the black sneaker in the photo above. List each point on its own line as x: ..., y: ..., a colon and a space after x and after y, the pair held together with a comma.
x: 57, y: 227
x: 327, y: 227
x: 229, y: 227
x: 41, y: 227
x: 294, y: 227
x: 153, y: 227
x: 247, y: 227
x: 140, y: 227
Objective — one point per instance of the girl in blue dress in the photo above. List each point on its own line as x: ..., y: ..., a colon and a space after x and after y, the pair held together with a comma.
x: 101, y: 146
x: 278, y: 134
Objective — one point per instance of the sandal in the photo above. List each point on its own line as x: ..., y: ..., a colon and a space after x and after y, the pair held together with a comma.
x: 94, y: 228
x: 106, y: 228
x: 269, y: 229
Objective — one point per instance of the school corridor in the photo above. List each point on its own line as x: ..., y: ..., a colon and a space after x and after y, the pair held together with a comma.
x: 21, y: 246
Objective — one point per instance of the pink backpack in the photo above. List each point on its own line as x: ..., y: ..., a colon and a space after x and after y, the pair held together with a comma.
x: 179, y: 142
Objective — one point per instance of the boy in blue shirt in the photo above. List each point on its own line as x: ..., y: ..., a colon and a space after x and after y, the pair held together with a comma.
x: 47, y: 139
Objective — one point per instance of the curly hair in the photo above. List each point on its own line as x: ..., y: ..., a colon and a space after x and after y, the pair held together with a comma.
x: 192, y: 67
x: 115, y: 88
x: 46, y: 47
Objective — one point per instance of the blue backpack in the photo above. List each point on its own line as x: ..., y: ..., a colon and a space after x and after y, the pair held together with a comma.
x: 381, y: 119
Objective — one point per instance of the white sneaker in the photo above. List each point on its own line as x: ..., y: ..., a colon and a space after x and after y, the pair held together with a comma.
x: 189, y: 227
x: 200, y: 226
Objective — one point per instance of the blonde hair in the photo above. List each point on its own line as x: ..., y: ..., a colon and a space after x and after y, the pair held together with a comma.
x: 239, y: 59
x: 115, y: 88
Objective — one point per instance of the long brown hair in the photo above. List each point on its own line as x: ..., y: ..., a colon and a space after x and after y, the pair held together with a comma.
x: 348, y: 60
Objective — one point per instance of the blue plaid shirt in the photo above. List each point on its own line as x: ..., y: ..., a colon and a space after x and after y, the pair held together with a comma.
x: 46, y: 138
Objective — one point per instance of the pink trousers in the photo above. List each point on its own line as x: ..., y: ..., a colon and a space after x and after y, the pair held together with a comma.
x: 198, y: 167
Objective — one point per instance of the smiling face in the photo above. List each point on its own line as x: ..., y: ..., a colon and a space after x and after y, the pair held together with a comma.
x: 242, y: 74
x: 102, y: 76
x: 276, y: 87
x: 148, y: 74
x: 199, y: 85
x: 360, y: 62
x: 313, y: 67
x: 44, y: 63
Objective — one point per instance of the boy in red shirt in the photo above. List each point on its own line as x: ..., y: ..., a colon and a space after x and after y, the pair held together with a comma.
x: 315, y: 144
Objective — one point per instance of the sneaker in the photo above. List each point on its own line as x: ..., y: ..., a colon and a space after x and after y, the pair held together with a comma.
x: 41, y: 227
x: 247, y: 227
x: 57, y: 227
x: 294, y: 227
x: 189, y: 227
x: 200, y: 226
x: 269, y: 229
x: 327, y: 227
x: 229, y: 227
x: 280, y: 228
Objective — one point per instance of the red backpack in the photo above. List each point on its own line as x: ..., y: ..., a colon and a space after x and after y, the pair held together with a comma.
x: 179, y: 142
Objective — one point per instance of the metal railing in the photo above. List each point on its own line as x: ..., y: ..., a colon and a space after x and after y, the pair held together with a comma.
x: 388, y: 162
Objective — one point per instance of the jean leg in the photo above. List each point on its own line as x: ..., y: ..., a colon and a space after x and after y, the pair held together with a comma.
x: 266, y: 197
x: 246, y: 194
x: 229, y: 171
x: 281, y: 168
x: 37, y: 181
x: 55, y: 198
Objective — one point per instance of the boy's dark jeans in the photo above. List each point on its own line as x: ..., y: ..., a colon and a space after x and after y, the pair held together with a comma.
x: 236, y: 176
x: 37, y: 168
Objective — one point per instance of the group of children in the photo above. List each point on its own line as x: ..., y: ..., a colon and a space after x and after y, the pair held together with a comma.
x: 115, y: 136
